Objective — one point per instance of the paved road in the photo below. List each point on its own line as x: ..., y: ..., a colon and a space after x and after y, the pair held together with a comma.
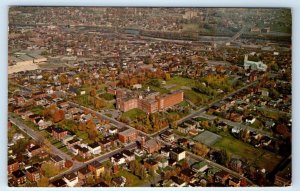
x: 100, y: 158
x: 37, y: 136
x: 201, y: 110
x: 240, y: 125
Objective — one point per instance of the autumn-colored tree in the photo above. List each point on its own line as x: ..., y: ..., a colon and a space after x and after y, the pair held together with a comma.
x: 58, y: 116
x: 43, y: 182
x: 200, y: 149
x: 49, y: 169
x: 68, y: 164
x: 167, y: 76
x: 93, y: 93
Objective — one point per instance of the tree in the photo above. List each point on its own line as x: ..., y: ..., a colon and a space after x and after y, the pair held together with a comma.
x: 200, y: 149
x: 43, y: 182
x: 167, y: 76
x: 49, y: 169
x: 58, y: 116
x: 93, y: 93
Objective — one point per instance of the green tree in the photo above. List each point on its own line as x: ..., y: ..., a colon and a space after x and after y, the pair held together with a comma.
x: 50, y: 169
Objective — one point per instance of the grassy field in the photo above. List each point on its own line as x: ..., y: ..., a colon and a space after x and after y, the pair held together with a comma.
x: 180, y: 81
x: 107, y: 96
x: 134, y: 113
x: 255, y: 156
x: 134, y: 180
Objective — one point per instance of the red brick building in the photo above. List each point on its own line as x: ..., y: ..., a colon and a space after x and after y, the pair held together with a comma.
x: 59, y: 133
x: 150, y: 103
x: 33, y: 174
x: 12, y: 165
x: 128, y: 135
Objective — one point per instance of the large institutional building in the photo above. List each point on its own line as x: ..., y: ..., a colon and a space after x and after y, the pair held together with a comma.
x: 248, y: 64
x: 148, y: 101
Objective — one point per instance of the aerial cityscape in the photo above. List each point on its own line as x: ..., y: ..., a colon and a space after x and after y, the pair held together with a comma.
x: 149, y: 97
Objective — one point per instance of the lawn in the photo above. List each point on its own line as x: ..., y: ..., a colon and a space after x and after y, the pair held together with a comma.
x: 180, y: 81
x: 37, y: 110
x: 107, y: 96
x: 134, y: 180
x: 134, y: 113
x: 268, y: 161
x: 235, y: 147
x: 196, y: 98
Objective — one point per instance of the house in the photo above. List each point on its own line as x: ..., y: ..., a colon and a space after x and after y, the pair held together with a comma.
x: 150, y: 164
x: 71, y: 179
x: 152, y: 146
x: 118, y: 158
x: 58, y: 161
x: 221, y: 177
x: 94, y: 148
x: 129, y: 156
x: 59, y: 133
x: 96, y: 168
x: 119, y: 181
x: 165, y: 151
x: 113, y: 130
x: 177, y: 154
x: 12, y: 166
x: 59, y: 183
x: 163, y: 162
x: 187, y: 174
x: 18, y: 177
x: 250, y: 119
x: 167, y: 136
x: 101, y: 184
x: 72, y: 142
x: 182, y: 128
x: 235, y: 182
x: 128, y: 136
x: 177, y: 182
x: 105, y: 144
x: 33, y: 174
x: 34, y: 150
x: 200, y: 166
x: 84, y: 173
x: 222, y: 125
x: 83, y: 151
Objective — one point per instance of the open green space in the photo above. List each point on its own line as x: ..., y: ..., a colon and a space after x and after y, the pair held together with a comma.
x: 107, y: 96
x: 131, y: 178
x: 255, y: 156
x: 134, y: 114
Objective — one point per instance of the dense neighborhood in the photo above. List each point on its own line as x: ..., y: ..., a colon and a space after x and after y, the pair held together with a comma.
x: 160, y: 97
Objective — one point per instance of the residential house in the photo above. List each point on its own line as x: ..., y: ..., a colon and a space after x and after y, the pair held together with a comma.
x: 187, y: 174
x: 33, y: 174
x: 235, y: 182
x: 221, y: 177
x: 183, y: 128
x: 119, y: 181
x: 200, y: 166
x: 84, y: 173
x: 177, y: 154
x: 113, y: 130
x: 177, y: 182
x: 75, y: 141
x: 58, y: 161
x: 94, y: 148
x: 59, y: 133
x: 118, y: 158
x: 96, y: 168
x: 129, y: 156
x: 59, y: 183
x: 34, y: 150
x: 18, y: 177
x: 12, y: 166
x: 150, y: 164
x: 128, y: 136
x: 152, y: 146
x: 167, y: 136
x: 71, y: 179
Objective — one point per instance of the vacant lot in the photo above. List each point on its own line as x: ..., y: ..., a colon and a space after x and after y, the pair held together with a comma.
x: 207, y: 138
x: 255, y: 156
